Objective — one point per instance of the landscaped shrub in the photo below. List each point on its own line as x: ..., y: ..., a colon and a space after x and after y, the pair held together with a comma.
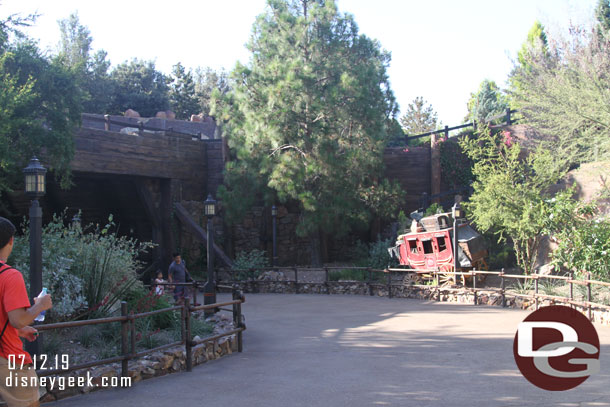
x: 87, y: 270
x: 254, y: 260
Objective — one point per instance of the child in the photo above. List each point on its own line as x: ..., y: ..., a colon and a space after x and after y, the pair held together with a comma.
x: 159, y: 289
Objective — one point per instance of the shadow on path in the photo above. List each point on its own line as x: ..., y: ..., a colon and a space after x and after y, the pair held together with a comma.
x: 317, y: 350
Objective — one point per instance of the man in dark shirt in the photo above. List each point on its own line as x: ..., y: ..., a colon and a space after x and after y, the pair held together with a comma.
x: 178, y: 273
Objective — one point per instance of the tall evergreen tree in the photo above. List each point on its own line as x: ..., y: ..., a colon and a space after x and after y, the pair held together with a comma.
x: 307, y: 120
x: 486, y: 102
x: 208, y: 81
x: 91, y: 71
x: 420, y: 117
x: 40, y: 108
x: 139, y: 86
x: 182, y: 97
x: 602, y: 14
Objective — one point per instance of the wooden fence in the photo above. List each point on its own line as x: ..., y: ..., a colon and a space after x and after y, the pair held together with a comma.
x: 507, y: 117
x: 128, y: 332
x: 434, y: 276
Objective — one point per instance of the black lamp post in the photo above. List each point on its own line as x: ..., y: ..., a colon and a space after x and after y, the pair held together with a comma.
x: 35, y: 187
x: 209, y: 290
x: 274, y: 216
x: 456, y: 212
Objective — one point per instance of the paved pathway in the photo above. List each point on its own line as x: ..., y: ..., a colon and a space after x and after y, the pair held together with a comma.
x: 318, y: 350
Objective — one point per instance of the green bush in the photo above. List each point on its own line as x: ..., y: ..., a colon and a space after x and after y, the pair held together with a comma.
x: 379, y: 258
x: 253, y: 260
x: 86, y: 270
x: 354, y: 274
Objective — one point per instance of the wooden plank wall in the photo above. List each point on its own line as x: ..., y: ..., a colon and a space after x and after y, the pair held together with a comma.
x: 149, y: 155
x: 412, y: 170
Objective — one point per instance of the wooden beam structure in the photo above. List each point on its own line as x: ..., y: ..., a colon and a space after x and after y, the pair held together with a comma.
x: 188, y: 222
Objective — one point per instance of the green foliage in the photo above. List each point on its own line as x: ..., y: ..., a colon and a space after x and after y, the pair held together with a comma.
x: 307, y: 119
x: 90, y: 70
x: 374, y: 254
x: 456, y: 167
x: 207, y: 83
x: 349, y: 275
x: 563, y: 93
x: 584, y: 246
x: 510, y: 195
x: 433, y: 209
x: 138, y: 86
x: 404, y: 222
x: 419, y: 118
x: 182, y: 98
x: 87, y: 271
x: 488, y: 101
x: 251, y: 260
x: 379, y: 258
x: 40, y: 107
x: 602, y: 15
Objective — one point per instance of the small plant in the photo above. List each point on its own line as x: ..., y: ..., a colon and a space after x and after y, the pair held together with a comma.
x: 251, y: 260
x: 433, y: 209
x: 379, y: 258
x: 348, y: 275
x: 523, y: 287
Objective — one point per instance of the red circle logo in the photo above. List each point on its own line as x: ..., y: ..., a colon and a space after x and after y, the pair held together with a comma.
x: 556, y: 348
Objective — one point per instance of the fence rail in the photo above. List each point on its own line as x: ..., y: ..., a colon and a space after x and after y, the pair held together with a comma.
x: 506, y: 115
x: 142, y: 126
x: 128, y: 332
x: 435, y: 276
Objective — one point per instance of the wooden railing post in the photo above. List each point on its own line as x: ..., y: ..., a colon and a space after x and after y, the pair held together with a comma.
x: 570, y: 281
x: 188, y: 343
x: 474, y: 286
x: 389, y: 284
x: 502, y: 288
x: 124, y: 340
x: 107, y: 122
x: 589, y: 295
x: 141, y: 127
x: 536, y: 299
x: 296, y: 280
x: 237, y: 318
x: 326, y: 280
x: 370, y: 278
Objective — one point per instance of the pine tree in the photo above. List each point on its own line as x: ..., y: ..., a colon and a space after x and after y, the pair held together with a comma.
x: 307, y: 120
x: 182, y: 95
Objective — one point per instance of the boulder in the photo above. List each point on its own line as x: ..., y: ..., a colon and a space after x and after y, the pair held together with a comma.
x: 131, y: 113
x: 161, y: 115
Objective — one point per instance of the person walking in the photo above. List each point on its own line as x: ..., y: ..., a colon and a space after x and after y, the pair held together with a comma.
x: 178, y: 273
x: 16, y: 315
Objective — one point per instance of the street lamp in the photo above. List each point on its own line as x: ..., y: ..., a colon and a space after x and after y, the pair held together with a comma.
x: 274, y: 216
x: 209, y: 289
x: 35, y: 187
x: 457, y: 213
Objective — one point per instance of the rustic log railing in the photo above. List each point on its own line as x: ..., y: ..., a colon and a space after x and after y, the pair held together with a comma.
x: 142, y: 127
x: 128, y: 332
x: 507, y: 117
x: 434, y: 276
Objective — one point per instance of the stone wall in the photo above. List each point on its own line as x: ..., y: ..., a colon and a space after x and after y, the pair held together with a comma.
x: 153, y: 365
x: 459, y: 295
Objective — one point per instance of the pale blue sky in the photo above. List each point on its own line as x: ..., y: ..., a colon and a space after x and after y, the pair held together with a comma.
x: 441, y: 49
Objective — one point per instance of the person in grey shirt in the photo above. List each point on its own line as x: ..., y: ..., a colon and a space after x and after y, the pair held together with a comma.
x: 178, y: 273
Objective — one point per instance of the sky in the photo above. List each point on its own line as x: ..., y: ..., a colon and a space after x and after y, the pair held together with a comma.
x: 441, y: 49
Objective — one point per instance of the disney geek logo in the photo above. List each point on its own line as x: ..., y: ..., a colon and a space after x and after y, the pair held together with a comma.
x: 556, y: 348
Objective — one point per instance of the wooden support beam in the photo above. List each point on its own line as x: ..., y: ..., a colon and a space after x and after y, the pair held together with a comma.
x: 199, y: 232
